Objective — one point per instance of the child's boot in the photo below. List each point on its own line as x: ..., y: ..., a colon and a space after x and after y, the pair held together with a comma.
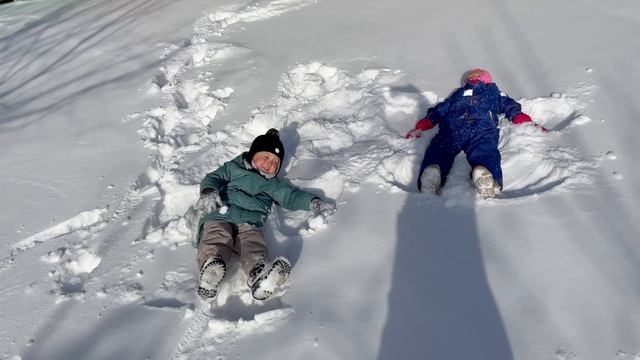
x: 264, y: 278
x: 211, y: 275
x: 484, y: 183
x: 431, y: 179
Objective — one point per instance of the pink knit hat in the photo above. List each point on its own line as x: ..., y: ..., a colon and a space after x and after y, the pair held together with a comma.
x: 478, y: 75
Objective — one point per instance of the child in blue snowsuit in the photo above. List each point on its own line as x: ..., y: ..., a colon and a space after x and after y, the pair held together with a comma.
x: 468, y: 121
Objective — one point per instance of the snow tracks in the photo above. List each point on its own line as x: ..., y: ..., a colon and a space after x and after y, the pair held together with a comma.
x: 341, y: 130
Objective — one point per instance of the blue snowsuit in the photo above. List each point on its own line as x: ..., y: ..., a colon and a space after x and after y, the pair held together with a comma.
x: 468, y: 121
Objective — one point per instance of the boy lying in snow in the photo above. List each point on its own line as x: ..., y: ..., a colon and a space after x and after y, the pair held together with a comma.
x: 468, y: 121
x: 234, y: 203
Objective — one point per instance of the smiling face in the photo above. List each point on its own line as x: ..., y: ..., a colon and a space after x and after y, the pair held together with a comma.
x: 266, y: 162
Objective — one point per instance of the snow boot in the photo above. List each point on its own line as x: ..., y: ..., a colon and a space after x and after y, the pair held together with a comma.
x: 265, y: 278
x: 211, y: 276
x: 431, y: 180
x: 484, y: 183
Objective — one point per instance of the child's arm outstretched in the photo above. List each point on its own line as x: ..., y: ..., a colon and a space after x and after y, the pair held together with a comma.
x: 513, y: 111
x: 434, y: 115
x: 209, y: 200
x: 293, y: 198
x: 210, y: 188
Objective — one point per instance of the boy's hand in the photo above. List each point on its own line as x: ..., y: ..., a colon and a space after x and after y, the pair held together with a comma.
x: 322, y: 211
x: 209, y: 201
x: 421, y: 125
x: 320, y: 207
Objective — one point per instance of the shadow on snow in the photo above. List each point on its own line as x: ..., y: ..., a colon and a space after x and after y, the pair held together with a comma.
x: 440, y: 303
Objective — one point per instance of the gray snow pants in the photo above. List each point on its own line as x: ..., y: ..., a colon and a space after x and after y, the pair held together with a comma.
x: 224, y: 239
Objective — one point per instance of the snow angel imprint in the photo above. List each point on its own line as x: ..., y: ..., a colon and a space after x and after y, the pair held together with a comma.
x: 234, y: 203
x: 468, y: 121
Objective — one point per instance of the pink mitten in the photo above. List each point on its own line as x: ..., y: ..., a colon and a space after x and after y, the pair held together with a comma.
x: 521, y: 119
x: 421, y: 125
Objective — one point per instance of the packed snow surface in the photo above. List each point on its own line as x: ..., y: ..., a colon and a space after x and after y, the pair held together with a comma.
x: 111, y: 112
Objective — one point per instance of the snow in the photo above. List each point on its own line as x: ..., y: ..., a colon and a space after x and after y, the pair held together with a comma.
x: 84, y: 220
x: 111, y: 112
x: 84, y: 263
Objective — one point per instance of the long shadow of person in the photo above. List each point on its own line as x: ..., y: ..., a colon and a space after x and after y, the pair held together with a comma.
x: 440, y: 303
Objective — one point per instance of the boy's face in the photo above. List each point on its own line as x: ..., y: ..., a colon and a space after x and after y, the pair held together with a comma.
x: 266, y: 162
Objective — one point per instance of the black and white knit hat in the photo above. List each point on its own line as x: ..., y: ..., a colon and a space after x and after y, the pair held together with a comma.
x: 268, y: 142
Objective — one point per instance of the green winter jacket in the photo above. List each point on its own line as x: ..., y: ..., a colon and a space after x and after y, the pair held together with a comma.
x: 249, y: 195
